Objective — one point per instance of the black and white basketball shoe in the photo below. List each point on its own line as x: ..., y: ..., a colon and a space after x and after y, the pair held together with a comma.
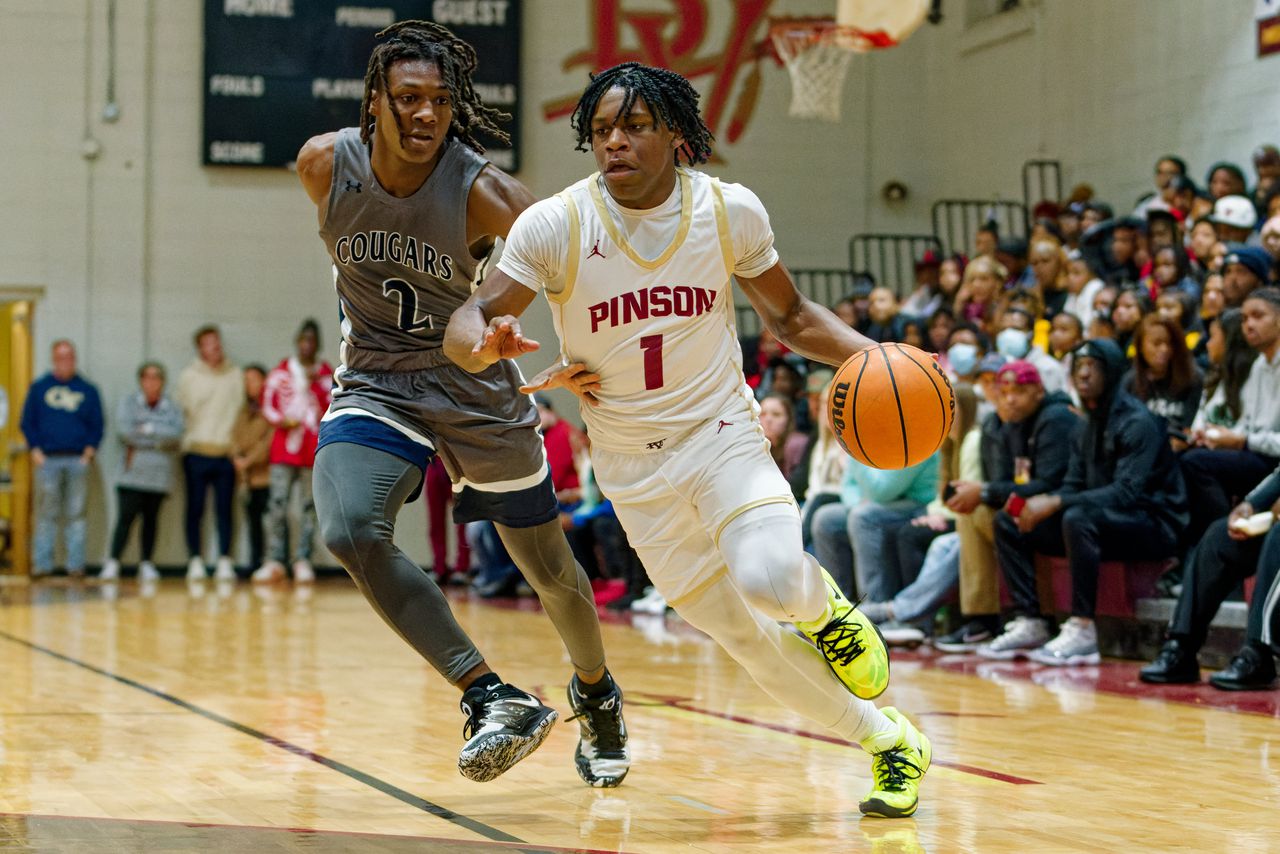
x: 602, y: 756
x: 504, y: 725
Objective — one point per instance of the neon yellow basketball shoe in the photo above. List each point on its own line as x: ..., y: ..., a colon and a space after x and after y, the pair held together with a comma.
x: 899, y: 761
x: 851, y: 644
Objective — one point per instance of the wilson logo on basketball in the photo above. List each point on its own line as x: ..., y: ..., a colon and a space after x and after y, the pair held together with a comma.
x: 891, y: 406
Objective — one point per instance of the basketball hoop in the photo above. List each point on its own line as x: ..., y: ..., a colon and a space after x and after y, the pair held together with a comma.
x: 817, y: 60
x: 817, y: 51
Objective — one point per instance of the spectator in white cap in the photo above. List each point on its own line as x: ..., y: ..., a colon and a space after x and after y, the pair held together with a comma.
x: 1233, y: 218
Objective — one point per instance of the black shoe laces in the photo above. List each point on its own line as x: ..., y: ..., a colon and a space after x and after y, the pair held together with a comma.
x: 601, y: 720
x: 475, y: 711
x: 894, y: 769
x: 840, y: 640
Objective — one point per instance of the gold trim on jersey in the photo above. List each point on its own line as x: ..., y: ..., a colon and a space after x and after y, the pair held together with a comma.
x: 751, y: 505
x: 722, y: 225
x: 575, y: 250
x: 611, y: 228
x: 701, y: 587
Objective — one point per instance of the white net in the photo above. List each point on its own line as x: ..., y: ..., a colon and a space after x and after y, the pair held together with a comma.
x: 817, y: 62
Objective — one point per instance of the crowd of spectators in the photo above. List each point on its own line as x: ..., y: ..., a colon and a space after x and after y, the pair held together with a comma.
x: 254, y: 431
x: 1117, y: 378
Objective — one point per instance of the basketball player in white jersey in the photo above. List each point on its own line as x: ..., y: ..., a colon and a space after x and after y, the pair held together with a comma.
x: 409, y: 211
x: 636, y: 263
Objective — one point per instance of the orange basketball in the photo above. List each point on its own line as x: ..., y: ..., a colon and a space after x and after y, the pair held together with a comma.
x: 891, y: 406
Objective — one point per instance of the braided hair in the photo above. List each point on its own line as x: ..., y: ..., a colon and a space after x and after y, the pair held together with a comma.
x: 671, y: 98
x: 430, y: 42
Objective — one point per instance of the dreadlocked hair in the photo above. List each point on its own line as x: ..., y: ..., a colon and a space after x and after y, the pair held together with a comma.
x: 669, y: 96
x: 430, y: 42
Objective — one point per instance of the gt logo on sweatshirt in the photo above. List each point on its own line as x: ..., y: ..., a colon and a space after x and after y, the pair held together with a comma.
x: 63, y: 397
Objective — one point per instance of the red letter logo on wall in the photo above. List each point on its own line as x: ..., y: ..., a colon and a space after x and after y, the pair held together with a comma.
x: 676, y: 40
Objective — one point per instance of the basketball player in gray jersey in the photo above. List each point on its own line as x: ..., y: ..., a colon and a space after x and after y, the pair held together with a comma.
x: 410, y: 210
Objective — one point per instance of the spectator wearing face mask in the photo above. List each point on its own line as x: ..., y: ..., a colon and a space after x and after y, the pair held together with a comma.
x: 1014, y: 342
x: 964, y: 350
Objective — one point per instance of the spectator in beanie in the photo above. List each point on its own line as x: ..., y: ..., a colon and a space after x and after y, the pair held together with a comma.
x: 1244, y: 270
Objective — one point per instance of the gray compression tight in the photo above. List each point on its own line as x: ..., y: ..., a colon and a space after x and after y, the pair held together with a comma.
x: 545, y: 559
x: 358, y: 493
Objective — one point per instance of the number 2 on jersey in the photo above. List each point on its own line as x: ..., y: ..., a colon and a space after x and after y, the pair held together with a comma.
x: 652, y: 347
x: 407, y: 297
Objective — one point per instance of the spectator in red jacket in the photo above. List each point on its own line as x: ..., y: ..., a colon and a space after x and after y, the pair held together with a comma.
x: 296, y: 397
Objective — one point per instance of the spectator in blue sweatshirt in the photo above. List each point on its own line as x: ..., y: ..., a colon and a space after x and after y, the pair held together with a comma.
x: 859, y: 534
x: 62, y: 421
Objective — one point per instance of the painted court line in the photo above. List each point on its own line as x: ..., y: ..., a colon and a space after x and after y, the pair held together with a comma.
x: 315, y: 832
x: 682, y: 703
x: 359, y: 776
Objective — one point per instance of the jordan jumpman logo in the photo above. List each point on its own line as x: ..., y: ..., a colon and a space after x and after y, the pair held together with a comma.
x: 595, y: 250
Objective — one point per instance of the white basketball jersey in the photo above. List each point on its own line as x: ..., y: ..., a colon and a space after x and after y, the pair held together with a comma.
x: 659, y: 333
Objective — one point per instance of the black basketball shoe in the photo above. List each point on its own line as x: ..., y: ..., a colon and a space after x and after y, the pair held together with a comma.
x: 602, y: 756
x: 504, y: 725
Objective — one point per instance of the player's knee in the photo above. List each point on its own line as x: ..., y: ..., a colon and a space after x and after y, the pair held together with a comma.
x: 772, y: 578
x: 350, y: 539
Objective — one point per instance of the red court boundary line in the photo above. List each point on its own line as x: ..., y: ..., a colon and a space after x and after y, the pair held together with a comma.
x: 683, y: 704
x: 533, y: 847
x: 1113, y: 678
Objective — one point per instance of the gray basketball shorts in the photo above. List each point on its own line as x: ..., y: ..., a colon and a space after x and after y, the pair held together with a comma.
x: 481, y: 426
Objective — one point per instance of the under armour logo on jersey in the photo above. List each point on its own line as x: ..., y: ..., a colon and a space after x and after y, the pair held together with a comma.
x: 353, y: 185
x: 723, y: 424
x: 655, y: 446
x: 595, y: 250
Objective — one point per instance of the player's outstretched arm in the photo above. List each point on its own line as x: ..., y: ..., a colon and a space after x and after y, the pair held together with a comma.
x: 797, y: 321
x: 486, y: 327
x: 315, y: 168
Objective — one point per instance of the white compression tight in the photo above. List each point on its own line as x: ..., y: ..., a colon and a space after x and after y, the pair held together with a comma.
x: 770, y: 578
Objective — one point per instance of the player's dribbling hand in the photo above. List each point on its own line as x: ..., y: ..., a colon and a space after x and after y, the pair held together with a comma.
x: 502, y: 340
x: 575, y: 377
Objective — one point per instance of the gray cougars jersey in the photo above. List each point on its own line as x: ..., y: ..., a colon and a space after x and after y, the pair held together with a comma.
x: 401, y: 265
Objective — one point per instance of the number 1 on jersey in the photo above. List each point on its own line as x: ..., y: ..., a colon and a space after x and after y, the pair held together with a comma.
x: 652, y: 347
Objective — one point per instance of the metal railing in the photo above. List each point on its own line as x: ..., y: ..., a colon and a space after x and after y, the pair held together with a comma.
x: 824, y: 286
x: 1041, y: 180
x: 890, y: 259
x: 956, y: 221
